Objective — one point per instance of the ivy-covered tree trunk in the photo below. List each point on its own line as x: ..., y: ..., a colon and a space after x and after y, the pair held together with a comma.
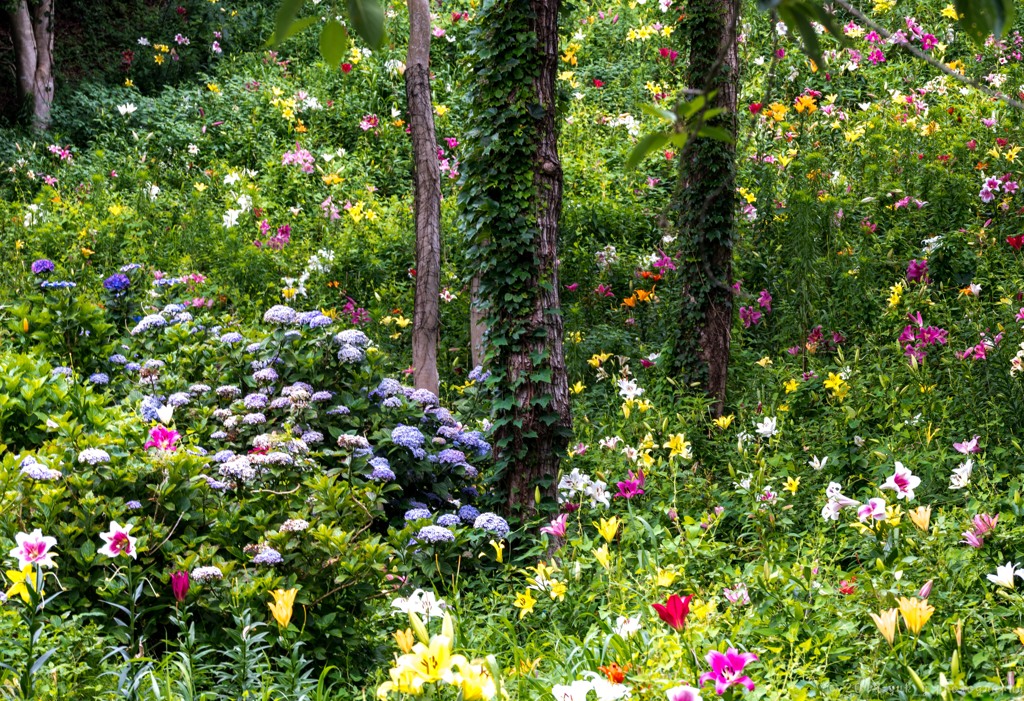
x: 426, y: 323
x: 512, y: 199
x: 32, y: 34
x: 705, y: 203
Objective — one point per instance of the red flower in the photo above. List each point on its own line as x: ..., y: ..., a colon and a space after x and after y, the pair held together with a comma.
x: 598, y: 83
x: 1015, y: 241
x: 847, y: 587
x: 754, y: 107
x: 346, y: 68
x: 674, y: 611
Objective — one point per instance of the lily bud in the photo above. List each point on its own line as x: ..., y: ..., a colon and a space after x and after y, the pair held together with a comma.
x: 925, y: 590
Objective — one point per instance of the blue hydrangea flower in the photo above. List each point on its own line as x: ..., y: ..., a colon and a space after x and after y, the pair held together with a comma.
x: 424, y: 397
x: 268, y: 556
x: 352, y: 337
x: 232, y: 338
x: 387, y: 388
x: 492, y: 523
x: 118, y: 359
x: 382, y: 474
x: 449, y: 520
x: 435, y: 534
x: 99, y: 378
x: 279, y: 314
x: 468, y: 514
x: 392, y: 403
x: 151, y: 321
x: 417, y: 514
x: 117, y: 283
x: 407, y: 436
x: 42, y: 266
x: 179, y: 399
x: 450, y: 456
x: 351, y: 355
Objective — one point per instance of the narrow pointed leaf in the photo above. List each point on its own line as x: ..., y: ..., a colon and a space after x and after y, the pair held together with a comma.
x: 646, y: 145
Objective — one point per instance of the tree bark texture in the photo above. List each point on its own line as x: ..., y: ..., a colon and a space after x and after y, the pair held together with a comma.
x: 426, y: 325
x: 705, y: 204
x: 542, y: 444
x: 32, y: 34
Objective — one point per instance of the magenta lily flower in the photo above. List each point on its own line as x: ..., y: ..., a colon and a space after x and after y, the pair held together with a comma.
x: 557, y: 526
x: 727, y: 669
x: 179, y: 585
x: 118, y: 541
x: 972, y: 539
x: 968, y: 447
x: 34, y: 549
x: 162, y: 438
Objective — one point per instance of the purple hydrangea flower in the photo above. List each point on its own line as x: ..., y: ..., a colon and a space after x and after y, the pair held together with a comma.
x: 418, y: 514
x: 492, y: 523
x: 43, y: 266
x: 435, y: 534
x: 268, y: 556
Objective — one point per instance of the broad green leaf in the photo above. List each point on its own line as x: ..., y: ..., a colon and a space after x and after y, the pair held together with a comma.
x: 659, y: 112
x: 367, y: 16
x: 646, y: 145
x: 293, y: 29
x: 285, y: 17
x: 717, y: 133
x: 980, y: 18
x: 333, y: 43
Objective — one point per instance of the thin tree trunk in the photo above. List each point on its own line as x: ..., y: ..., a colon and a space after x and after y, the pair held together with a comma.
x: 32, y: 34
x: 541, y: 459
x: 706, y: 203
x: 477, y: 324
x: 426, y: 200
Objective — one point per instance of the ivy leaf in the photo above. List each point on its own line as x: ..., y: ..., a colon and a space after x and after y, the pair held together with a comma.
x: 333, y: 43
x: 367, y: 16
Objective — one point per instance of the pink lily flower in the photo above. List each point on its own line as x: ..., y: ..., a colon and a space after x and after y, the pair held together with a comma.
x: 557, y: 526
x: 727, y: 669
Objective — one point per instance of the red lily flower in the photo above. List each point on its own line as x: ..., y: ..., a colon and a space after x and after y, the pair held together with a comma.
x: 674, y: 611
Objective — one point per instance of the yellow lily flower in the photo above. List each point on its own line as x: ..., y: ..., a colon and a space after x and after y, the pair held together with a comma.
x: 405, y: 640
x: 577, y: 388
x: 404, y: 680
x: 921, y: 517
x: 558, y: 590
x: 723, y: 422
x: 609, y: 527
x: 598, y: 358
x: 432, y: 662
x: 525, y: 603
x: 915, y: 613
x: 21, y: 581
x: 886, y: 622
x: 1020, y: 634
x: 474, y: 680
x: 499, y: 550
x: 603, y: 556
x: 792, y: 484
x: 792, y: 385
x: 666, y: 578
x: 678, y: 445
x: 284, y: 600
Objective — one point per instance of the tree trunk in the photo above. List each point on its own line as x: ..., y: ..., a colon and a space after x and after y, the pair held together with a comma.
x: 511, y: 199
x: 426, y: 323
x: 477, y: 324
x: 545, y: 431
x: 705, y: 205
x: 32, y: 34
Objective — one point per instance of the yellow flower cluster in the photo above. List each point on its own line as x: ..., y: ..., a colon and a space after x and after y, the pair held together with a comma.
x: 429, y: 660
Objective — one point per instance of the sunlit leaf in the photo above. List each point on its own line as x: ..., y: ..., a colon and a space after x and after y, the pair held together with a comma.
x: 333, y: 43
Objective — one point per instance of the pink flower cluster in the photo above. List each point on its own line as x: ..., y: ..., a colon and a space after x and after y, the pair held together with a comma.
x: 981, y: 525
x: 980, y: 350
x: 276, y: 242
x: 916, y: 337
x: 751, y: 316
x: 299, y: 157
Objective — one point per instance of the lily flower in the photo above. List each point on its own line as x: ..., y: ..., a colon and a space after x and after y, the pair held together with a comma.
x: 284, y: 601
x: 117, y: 541
x: 903, y: 482
x: 886, y: 622
x: 674, y: 611
x: 1004, y: 575
x: 556, y: 527
x: 915, y: 613
x: 34, y: 549
x: 727, y: 669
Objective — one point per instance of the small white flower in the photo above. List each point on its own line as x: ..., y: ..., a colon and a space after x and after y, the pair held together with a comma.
x: 961, y: 476
x: 627, y: 627
x: 126, y: 109
x: 818, y: 463
x: 231, y: 218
